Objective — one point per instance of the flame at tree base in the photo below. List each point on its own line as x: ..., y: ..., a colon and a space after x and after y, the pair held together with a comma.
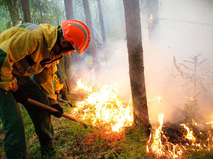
x: 103, y: 108
x: 158, y: 143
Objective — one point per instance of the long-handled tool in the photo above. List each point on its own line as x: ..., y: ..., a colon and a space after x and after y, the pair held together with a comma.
x: 52, y: 110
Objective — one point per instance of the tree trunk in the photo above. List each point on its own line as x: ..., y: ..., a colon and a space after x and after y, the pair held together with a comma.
x: 69, y: 9
x: 92, y: 41
x: 75, y: 58
x: 70, y: 15
x: 26, y: 10
x: 136, y: 66
x: 102, y: 29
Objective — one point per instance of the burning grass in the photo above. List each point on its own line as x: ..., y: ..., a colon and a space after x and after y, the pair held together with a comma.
x: 173, y: 140
x: 104, y: 109
x: 113, y: 136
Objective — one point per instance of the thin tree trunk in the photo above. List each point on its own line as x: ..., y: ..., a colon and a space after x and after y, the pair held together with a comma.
x: 102, y: 29
x: 26, y: 10
x: 75, y: 58
x: 92, y: 41
x: 70, y: 15
x: 69, y: 9
x: 136, y: 66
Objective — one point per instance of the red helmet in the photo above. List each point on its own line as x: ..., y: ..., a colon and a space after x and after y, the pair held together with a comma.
x: 77, y: 33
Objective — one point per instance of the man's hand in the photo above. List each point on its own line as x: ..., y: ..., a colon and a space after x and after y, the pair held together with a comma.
x: 59, y: 112
x: 20, y: 95
x: 54, y: 104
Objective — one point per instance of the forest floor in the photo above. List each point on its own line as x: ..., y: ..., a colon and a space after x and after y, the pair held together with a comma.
x: 75, y: 141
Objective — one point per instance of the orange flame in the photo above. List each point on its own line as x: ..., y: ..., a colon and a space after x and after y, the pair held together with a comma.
x: 210, y: 123
x: 160, y: 149
x: 80, y: 85
x: 155, y: 145
x: 189, y: 134
x: 104, y: 107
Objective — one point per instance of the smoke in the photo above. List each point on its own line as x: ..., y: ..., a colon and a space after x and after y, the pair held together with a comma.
x: 182, y: 34
x: 115, y: 72
x: 184, y: 30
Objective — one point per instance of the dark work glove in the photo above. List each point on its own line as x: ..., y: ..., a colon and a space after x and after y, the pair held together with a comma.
x: 59, y: 112
x: 20, y: 96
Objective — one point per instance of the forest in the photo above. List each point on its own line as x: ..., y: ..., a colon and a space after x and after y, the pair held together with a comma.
x: 144, y: 86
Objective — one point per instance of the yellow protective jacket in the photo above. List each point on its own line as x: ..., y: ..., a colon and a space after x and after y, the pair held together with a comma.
x: 25, y: 50
x: 57, y: 85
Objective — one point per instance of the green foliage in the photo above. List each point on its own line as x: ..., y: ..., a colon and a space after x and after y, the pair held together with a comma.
x: 4, y: 22
x: 45, y: 11
x: 42, y: 11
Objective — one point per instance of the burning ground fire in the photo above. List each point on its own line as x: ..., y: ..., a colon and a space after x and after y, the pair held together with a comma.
x: 104, y: 109
x: 159, y: 148
x: 159, y: 145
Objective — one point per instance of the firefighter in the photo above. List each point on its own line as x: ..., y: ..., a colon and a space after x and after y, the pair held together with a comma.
x: 64, y: 68
x: 26, y: 50
x: 57, y: 84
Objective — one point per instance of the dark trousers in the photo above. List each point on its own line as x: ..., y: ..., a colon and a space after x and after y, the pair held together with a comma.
x: 13, y: 124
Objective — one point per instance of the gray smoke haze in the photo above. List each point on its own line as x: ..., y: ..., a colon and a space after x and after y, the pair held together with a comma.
x: 184, y: 30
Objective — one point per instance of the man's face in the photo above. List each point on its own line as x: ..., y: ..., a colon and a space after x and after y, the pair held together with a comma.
x: 66, y: 47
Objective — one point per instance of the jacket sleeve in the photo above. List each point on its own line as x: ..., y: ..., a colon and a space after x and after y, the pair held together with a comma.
x: 56, y: 83
x: 61, y: 68
x: 45, y: 79
x: 68, y: 67
x: 12, y: 50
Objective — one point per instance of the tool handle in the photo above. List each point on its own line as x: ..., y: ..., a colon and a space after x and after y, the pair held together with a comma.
x: 50, y: 109
x: 69, y: 117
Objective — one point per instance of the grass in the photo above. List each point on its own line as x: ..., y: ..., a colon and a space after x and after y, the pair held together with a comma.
x: 71, y: 141
x: 74, y: 141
